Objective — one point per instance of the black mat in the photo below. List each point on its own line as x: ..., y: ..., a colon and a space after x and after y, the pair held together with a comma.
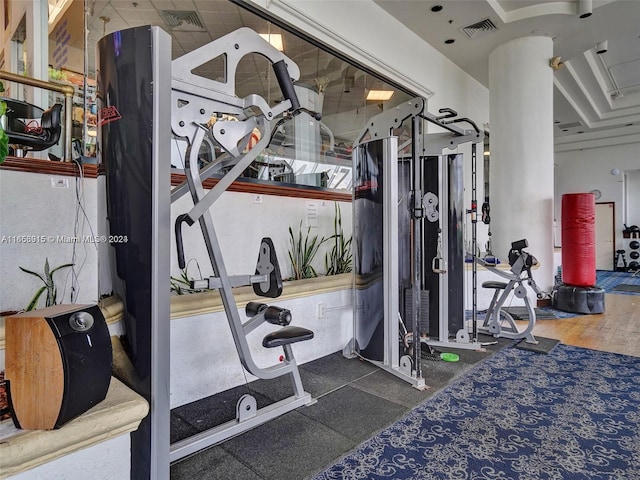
x: 625, y: 287
x: 544, y: 345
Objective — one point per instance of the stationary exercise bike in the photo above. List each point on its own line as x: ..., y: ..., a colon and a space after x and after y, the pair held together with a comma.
x: 499, y: 322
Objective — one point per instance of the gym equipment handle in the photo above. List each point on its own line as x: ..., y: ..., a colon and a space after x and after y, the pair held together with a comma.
x: 286, y: 85
x: 184, y: 218
x: 438, y: 265
x: 464, y: 120
x: 448, y: 113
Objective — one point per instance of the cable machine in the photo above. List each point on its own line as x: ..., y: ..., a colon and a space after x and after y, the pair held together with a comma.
x: 418, y: 256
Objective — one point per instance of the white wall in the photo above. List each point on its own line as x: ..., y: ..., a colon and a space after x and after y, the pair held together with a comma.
x: 201, y: 344
x: 581, y: 171
x: 38, y: 214
x: 37, y: 219
x: 109, y: 460
x: 633, y: 196
x: 241, y: 223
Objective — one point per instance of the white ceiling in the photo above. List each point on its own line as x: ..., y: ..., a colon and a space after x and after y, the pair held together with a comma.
x: 598, y: 94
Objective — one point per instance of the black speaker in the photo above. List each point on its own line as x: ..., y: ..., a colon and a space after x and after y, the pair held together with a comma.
x: 58, y: 364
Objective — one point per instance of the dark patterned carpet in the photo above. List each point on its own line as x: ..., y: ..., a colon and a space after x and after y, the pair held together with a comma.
x: 571, y: 414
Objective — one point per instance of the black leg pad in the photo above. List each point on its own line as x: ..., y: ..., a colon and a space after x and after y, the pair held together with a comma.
x: 254, y: 308
x: 268, y: 265
x: 285, y: 336
x: 492, y: 284
x: 277, y: 315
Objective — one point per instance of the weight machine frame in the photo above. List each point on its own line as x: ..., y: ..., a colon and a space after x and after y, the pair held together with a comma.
x: 422, y: 144
x: 194, y: 99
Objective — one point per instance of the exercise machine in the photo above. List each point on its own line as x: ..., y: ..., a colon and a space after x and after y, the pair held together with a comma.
x: 143, y: 96
x: 408, y: 245
x: 498, y: 321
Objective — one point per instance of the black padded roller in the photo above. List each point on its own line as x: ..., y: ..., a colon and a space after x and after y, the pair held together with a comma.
x: 277, y: 315
x: 254, y: 308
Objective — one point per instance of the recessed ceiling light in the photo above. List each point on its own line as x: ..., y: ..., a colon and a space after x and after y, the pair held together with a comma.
x: 436, y: 8
x: 565, y: 130
x: 629, y: 125
x: 379, y: 95
x: 275, y: 39
x: 449, y: 41
x: 556, y: 121
x: 581, y: 131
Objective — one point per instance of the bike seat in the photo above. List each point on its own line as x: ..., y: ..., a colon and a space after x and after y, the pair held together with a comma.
x: 496, y: 285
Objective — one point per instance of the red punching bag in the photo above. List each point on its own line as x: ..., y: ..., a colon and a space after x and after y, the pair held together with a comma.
x: 579, y: 239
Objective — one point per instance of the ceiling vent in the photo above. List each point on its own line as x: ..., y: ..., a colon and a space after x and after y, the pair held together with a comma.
x: 563, y: 126
x: 479, y: 28
x: 183, y: 20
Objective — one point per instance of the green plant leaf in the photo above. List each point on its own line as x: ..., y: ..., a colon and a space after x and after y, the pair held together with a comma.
x: 34, y: 300
x: 66, y: 265
x: 33, y: 273
x: 4, y: 145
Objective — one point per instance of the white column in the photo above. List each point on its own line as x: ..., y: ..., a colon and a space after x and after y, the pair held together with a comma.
x: 521, y: 174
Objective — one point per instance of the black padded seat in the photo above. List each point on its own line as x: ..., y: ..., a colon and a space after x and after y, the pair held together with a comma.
x: 48, y: 137
x: 286, y: 335
x: 492, y: 284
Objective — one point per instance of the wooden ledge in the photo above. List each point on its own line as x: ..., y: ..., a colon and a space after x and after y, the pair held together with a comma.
x: 208, y: 302
x: 119, y: 413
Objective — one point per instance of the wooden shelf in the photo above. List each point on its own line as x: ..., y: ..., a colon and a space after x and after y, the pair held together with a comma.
x: 34, y: 165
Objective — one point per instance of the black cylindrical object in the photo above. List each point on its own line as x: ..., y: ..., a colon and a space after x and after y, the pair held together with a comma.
x: 277, y: 315
x: 254, y: 308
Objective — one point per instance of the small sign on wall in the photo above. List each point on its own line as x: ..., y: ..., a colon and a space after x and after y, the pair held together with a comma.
x: 312, y: 214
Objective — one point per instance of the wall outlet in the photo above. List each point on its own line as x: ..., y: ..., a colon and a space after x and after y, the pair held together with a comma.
x: 257, y: 199
x: 59, y: 182
x: 322, y: 310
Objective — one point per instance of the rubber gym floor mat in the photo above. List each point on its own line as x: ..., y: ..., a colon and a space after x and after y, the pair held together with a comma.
x: 544, y: 345
x: 624, y: 287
